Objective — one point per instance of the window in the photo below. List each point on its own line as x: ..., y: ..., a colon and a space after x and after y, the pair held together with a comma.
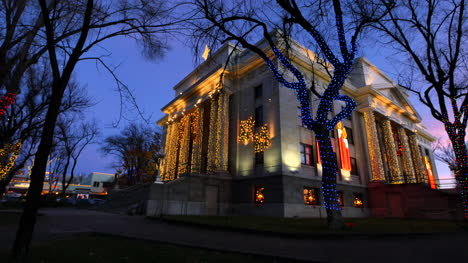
x: 259, y: 116
x: 96, y: 184
x: 354, y: 169
x: 350, y: 137
x: 340, y: 198
x: 306, y: 154
x: 258, y: 90
x: 311, y: 196
x: 258, y: 195
x: 259, y: 157
x: 358, y: 200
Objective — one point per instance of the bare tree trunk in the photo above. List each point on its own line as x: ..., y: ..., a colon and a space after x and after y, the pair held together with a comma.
x: 329, y: 173
x: 461, y: 170
x: 33, y: 199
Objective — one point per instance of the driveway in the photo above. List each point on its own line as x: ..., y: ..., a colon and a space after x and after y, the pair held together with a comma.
x: 57, y: 223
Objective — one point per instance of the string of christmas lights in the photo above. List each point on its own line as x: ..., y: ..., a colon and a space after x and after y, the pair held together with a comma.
x: 390, y: 150
x: 211, y: 167
x: 374, y: 147
x: 246, y: 131
x: 8, y: 156
x: 418, y: 163
x: 261, y: 138
x: 198, y: 141
x: 225, y: 135
x: 6, y: 100
x: 408, y: 167
x: 184, y: 138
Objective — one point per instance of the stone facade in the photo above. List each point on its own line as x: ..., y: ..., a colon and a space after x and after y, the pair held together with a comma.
x: 209, y: 170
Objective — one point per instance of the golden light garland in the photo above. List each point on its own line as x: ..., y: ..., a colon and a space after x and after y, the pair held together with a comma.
x: 309, y: 196
x: 211, y: 166
x: 358, y: 202
x: 262, y: 139
x: 9, y: 152
x: 246, y: 133
x: 198, y: 140
x: 390, y: 150
x: 407, y: 158
x: 184, y: 140
x: 173, y: 142
x: 217, y: 158
x: 259, y: 197
x: 374, y: 147
x: 223, y: 165
x: 419, y: 167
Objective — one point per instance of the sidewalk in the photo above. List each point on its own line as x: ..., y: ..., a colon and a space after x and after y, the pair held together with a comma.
x: 428, y: 248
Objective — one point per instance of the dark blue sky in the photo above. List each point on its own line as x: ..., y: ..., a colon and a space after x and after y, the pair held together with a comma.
x: 152, y: 83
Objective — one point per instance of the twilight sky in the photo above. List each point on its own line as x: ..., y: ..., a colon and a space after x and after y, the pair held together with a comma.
x: 152, y: 83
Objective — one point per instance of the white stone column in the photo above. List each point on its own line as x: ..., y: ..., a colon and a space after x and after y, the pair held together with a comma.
x: 171, y: 151
x: 184, y: 145
x: 418, y: 163
x: 222, y: 133
x: 197, y: 143
x: 407, y: 158
x: 390, y: 151
x: 373, y: 146
x: 212, y: 151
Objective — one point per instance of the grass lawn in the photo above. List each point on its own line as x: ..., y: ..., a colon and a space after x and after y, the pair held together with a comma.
x: 113, y: 249
x: 315, y: 225
x: 7, y: 219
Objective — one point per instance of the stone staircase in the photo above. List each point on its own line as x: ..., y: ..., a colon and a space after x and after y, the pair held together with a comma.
x: 130, y: 200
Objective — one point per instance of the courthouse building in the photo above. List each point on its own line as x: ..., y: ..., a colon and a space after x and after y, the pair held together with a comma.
x: 235, y: 144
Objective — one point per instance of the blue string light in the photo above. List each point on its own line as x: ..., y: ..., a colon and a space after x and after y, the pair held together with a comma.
x: 328, y: 157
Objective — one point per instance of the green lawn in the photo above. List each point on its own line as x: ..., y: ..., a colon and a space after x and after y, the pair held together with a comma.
x: 115, y: 250
x: 315, y: 225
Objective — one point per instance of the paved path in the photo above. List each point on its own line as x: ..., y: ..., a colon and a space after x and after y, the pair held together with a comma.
x: 438, y: 248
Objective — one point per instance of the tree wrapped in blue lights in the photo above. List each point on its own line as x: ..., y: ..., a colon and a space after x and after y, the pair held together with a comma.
x: 238, y: 22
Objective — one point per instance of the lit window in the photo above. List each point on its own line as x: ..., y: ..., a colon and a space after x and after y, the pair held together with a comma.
x: 311, y: 196
x: 306, y: 154
x: 358, y: 200
x: 259, y: 197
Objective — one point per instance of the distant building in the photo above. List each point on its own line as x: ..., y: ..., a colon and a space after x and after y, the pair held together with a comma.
x: 243, y: 150
x: 96, y: 184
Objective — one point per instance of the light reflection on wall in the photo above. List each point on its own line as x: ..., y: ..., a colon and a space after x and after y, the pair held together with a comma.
x: 292, y: 160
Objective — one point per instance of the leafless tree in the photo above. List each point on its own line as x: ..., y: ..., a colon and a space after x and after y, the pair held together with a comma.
x: 334, y: 32
x: 136, y: 148
x: 432, y: 36
x: 24, y: 120
x: 90, y: 22
x: 73, y: 137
